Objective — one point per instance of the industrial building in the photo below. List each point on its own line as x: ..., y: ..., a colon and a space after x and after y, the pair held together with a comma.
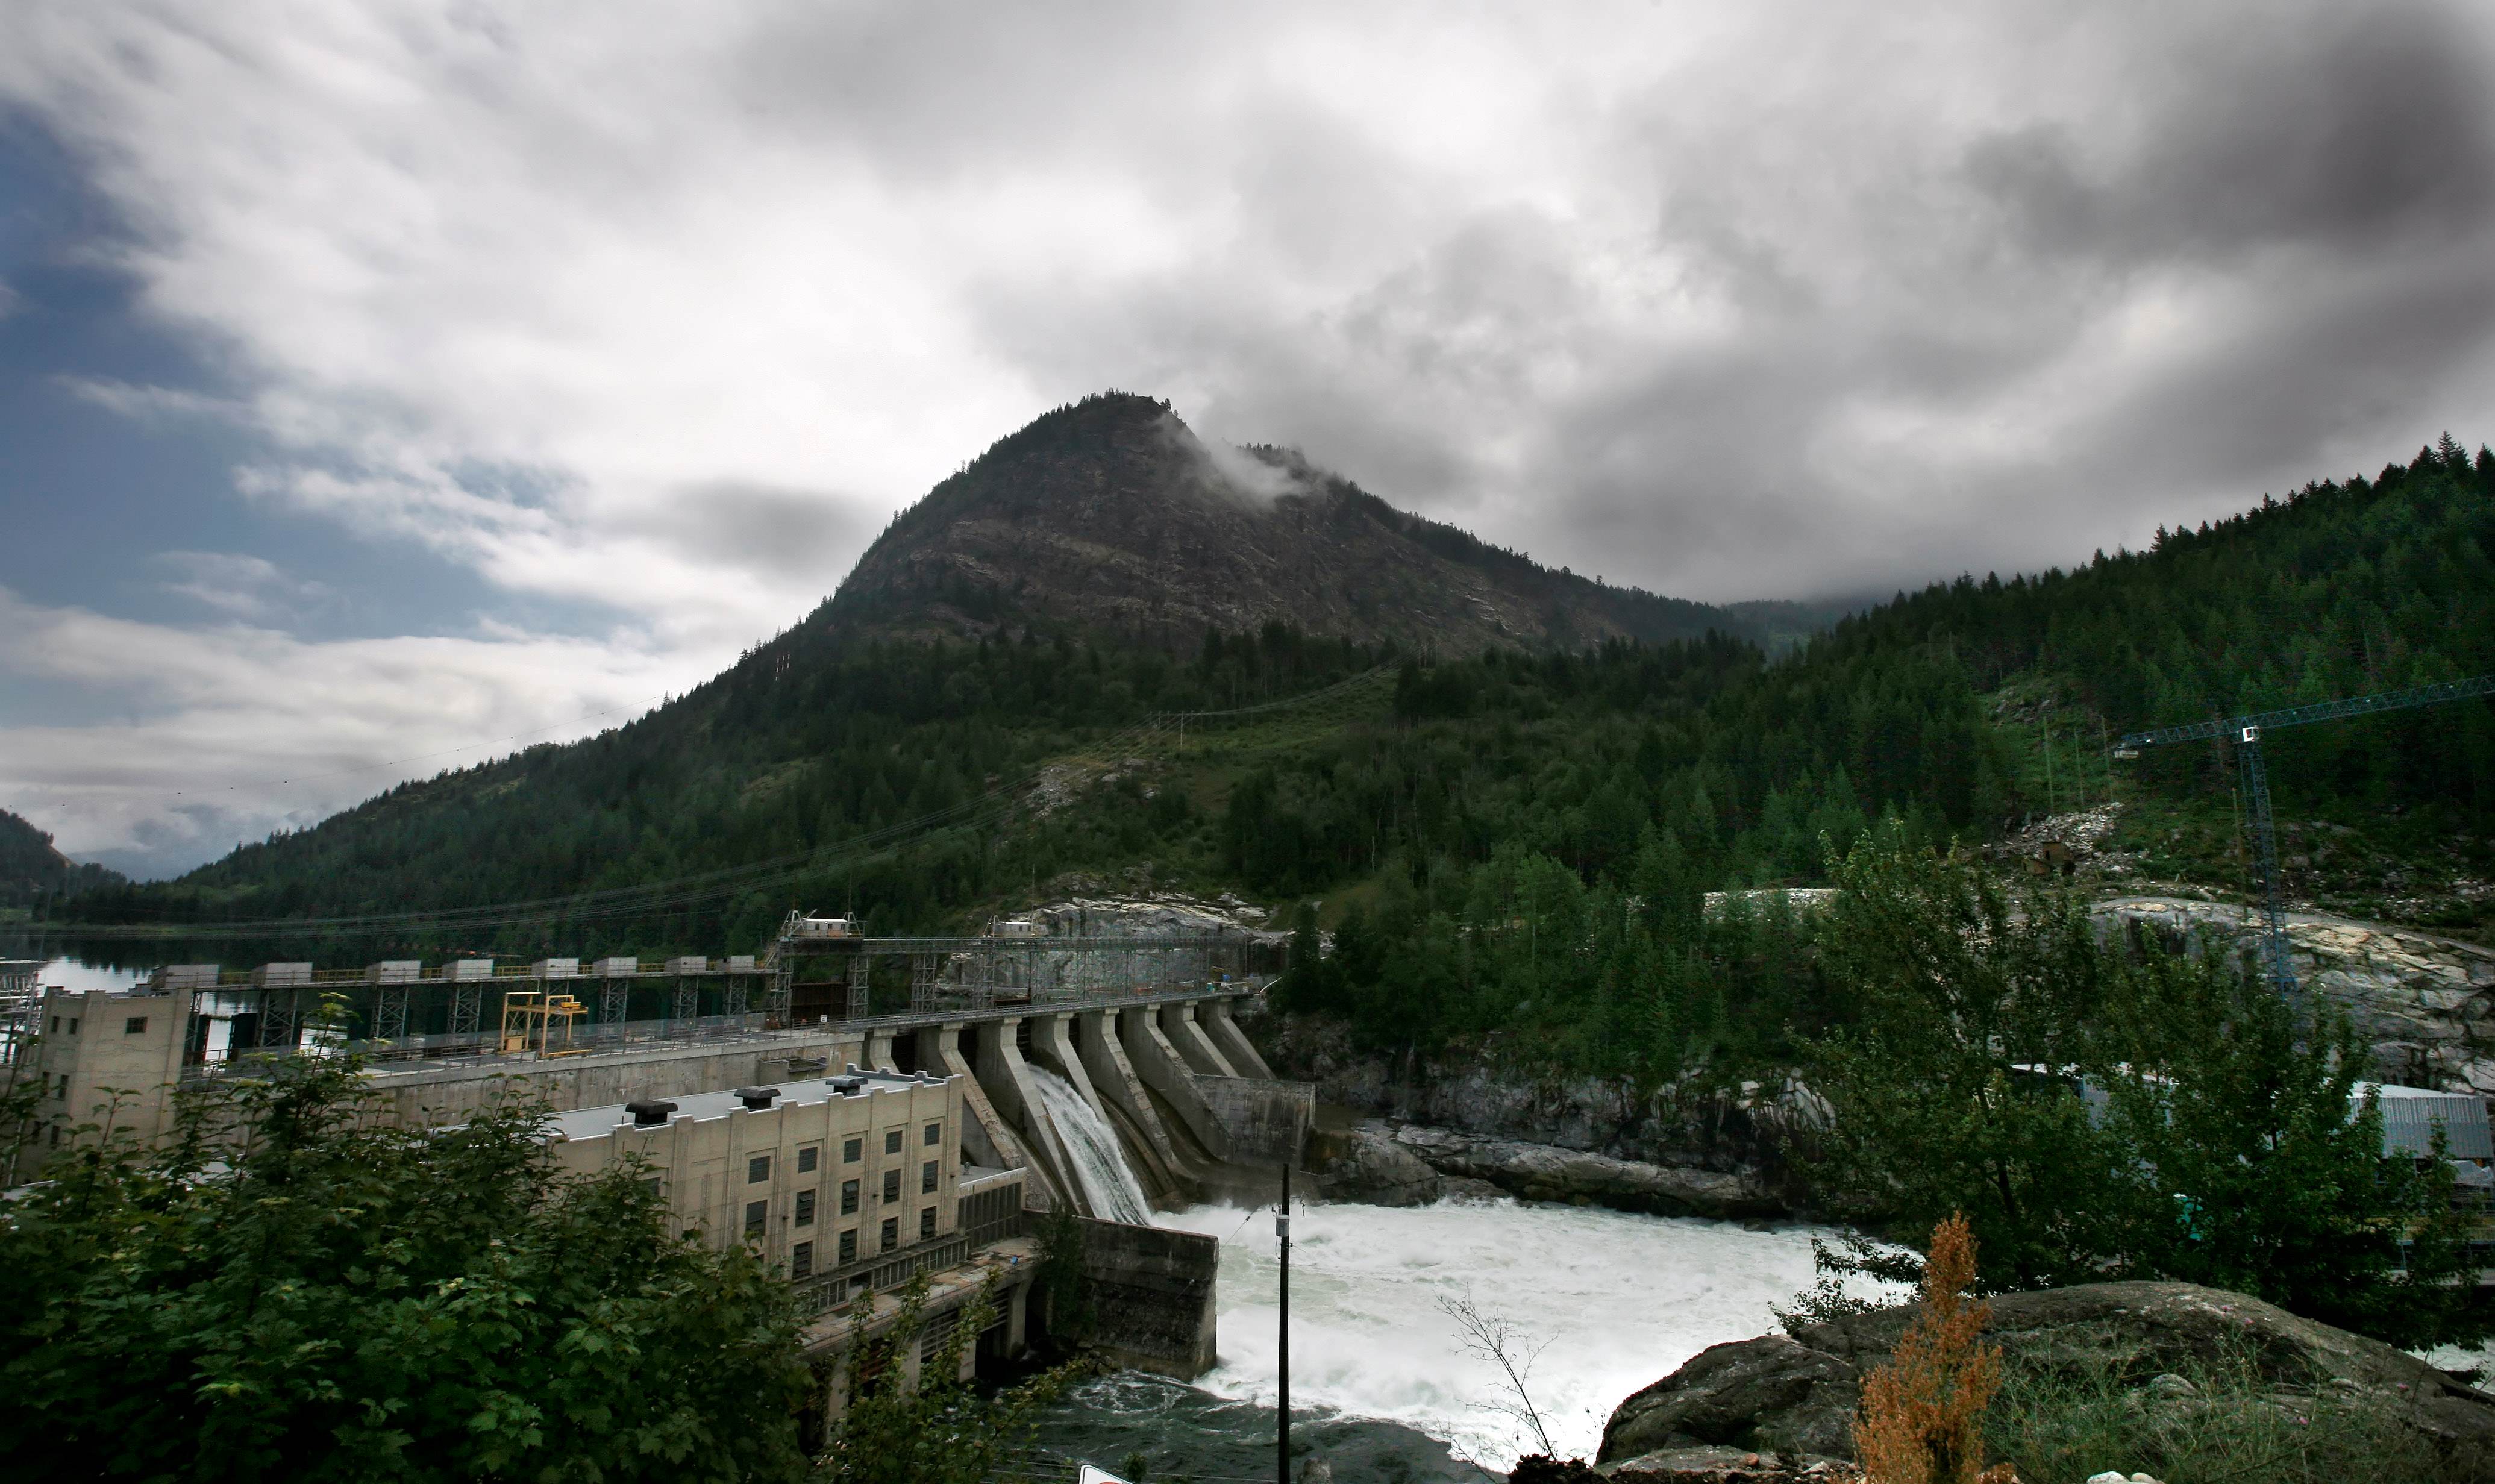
x: 850, y: 1185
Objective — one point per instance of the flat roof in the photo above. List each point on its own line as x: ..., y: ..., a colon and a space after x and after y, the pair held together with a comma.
x: 590, y: 1122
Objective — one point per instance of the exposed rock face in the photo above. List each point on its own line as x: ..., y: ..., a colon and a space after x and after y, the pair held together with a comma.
x: 1671, y: 1149
x: 1798, y: 1393
x: 1365, y: 1163
x: 2425, y: 1001
x: 1112, y: 516
x: 1150, y: 914
x: 1729, y: 1466
x: 1542, y: 1172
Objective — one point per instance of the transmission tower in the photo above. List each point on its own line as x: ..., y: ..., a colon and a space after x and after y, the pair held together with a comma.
x: 2246, y: 731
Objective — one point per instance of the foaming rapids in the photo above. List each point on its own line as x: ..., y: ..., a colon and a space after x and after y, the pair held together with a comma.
x: 1614, y: 1300
x: 1090, y: 1145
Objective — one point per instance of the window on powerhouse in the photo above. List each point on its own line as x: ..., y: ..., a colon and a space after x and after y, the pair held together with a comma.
x: 891, y: 1233
x: 808, y: 1157
x: 801, y: 1260
x: 935, y: 1134
x: 757, y: 1169
x: 892, y: 1184
x: 927, y: 1178
x: 848, y: 1197
x: 850, y: 1150
x: 757, y: 1213
x: 805, y: 1208
x: 892, y: 1141
x: 926, y: 1222
x: 849, y: 1245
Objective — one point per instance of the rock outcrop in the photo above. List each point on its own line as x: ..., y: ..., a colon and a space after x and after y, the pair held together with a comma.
x: 2425, y: 1001
x: 1798, y: 1393
x: 1543, y: 1172
x: 1111, y: 515
x: 1668, y: 1149
x: 1383, y: 1164
x: 1365, y: 1163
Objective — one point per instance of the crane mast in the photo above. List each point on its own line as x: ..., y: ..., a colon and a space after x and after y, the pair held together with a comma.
x: 2246, y: 731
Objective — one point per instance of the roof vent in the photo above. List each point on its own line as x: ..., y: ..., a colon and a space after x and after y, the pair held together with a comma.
x: 756, y: 1099
x: 848, y: 1086
x: 649, y: 1114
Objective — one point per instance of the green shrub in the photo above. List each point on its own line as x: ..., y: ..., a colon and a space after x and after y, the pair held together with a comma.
x: 2221, y: 1422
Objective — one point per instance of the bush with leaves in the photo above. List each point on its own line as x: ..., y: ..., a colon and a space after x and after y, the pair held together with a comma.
x: 943, y: 1430
x: 2229, y: 1149
x: 1959, y: 991
x: 299, y: 1290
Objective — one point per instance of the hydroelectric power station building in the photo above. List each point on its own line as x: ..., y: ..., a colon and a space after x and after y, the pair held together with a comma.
x: 854, y: 1143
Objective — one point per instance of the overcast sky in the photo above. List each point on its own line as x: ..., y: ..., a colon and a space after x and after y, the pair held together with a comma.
x: 384, y: 385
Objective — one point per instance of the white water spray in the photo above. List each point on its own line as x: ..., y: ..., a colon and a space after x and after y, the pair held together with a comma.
x: 1090, y: 1145
x: 1622, y: 1300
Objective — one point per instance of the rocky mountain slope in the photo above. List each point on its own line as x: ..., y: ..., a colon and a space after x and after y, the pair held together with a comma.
x: 1112, y: 517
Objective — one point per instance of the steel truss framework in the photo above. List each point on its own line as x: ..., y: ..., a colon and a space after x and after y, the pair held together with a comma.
x: 407, y: 1015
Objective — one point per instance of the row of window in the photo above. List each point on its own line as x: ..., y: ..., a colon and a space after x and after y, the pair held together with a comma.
x: 801, y: 1258
x: 136, y: 1024
x: 928, y: 1180
x: 757, y: 1169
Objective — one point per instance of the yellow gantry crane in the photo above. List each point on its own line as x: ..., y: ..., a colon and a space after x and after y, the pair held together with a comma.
x: 530, y: 1019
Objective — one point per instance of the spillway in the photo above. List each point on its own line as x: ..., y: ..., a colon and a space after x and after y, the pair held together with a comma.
x: 1109, y: 1186
x: 1619, y: 1299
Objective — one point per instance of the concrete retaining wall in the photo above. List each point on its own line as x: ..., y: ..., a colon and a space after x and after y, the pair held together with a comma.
x: 1265, y: 1122
x: 1178, y: 1023
x: 1151, y: 1296
x: 1162, y: 1070
x: 1000, y: 1067
x: 1231, y: 1041
x: 1113, y: 1079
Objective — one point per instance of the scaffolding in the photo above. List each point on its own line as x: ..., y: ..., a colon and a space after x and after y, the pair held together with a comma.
x: 404, y: 1010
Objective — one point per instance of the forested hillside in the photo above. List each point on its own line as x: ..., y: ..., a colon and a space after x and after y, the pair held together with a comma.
x: 1513, y: 840
x: 33, y: 874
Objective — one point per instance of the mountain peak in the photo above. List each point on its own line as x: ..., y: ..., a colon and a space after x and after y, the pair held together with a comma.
x: 1111, y: 515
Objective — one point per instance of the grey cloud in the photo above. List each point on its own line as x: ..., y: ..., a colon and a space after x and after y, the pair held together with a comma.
x: 674, y: 308
x: 2368, y: 130
x: 784, y: 532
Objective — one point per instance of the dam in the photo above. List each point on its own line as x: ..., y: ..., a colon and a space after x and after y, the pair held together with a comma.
x: 1136, y: 1031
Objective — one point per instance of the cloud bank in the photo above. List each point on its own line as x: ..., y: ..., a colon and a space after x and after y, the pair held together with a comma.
x: 659, y: 311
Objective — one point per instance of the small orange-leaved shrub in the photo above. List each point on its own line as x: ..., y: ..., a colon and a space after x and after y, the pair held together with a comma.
x: 1922, y: 1419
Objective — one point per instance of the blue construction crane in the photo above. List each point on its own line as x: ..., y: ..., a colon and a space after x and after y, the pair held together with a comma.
x: 2247, y: 734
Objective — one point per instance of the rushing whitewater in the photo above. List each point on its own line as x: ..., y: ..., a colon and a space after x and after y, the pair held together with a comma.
x: 1619, y: 1299
x: 1090, y: 1145
x: 1603, y: 1301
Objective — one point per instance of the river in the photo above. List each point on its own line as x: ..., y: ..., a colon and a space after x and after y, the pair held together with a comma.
x: 1380, y: 1370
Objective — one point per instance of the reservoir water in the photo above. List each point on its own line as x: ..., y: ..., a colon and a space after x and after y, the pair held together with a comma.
x: 1379, y: 1370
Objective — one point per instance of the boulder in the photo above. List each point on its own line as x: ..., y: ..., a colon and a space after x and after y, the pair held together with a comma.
x: 1799, y: 1392
x: 1543, y: 1172
x: 1729, y: 1466
x: 1772, y: 1393
x: 1365, y: 1163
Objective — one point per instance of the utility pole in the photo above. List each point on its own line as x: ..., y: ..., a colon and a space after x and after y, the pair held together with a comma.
x: 1283, y: 1397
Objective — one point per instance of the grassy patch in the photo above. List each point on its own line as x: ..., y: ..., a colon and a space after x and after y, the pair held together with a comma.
x: 2217, y: 1423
